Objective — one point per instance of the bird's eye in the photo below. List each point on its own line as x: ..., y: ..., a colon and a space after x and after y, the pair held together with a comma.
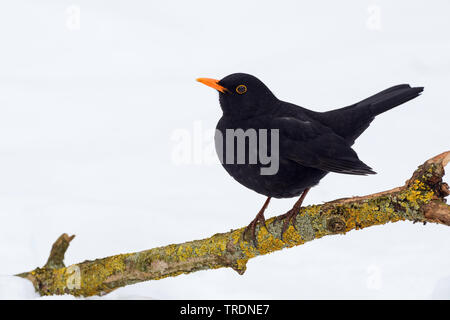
x: 241, y: 89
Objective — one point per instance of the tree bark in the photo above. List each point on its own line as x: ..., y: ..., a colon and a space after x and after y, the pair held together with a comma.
x: 421, y: 199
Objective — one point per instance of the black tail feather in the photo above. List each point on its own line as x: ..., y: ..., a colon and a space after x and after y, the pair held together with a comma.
x: 390, y: 99
x: 351, y: 121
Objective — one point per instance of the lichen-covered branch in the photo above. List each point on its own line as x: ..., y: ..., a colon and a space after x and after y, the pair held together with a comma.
x: 59, y: 248
x: 421, y: 199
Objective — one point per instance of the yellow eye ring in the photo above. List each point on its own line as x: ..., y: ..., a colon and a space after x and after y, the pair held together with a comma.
x: 241, y: 89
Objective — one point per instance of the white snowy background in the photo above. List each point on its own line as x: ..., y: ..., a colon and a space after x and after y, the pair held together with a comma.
x: 92, y: 93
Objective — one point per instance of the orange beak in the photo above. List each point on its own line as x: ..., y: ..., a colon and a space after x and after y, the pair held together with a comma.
x: 213, y: 83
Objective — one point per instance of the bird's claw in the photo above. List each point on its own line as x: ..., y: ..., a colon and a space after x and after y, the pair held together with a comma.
x: 288, y: 219
x: 252, y: 229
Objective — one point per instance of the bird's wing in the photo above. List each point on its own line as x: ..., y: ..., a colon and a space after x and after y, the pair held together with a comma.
x: 314, y: 145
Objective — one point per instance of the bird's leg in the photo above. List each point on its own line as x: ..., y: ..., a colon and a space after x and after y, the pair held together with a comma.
x: 291, y: 214
x: 258, y: 219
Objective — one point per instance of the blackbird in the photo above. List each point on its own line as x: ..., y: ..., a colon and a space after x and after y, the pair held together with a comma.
x: 311, y: 144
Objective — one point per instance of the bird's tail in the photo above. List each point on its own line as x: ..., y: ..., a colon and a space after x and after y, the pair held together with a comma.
x: 391, y: 98
x: 351, y: 121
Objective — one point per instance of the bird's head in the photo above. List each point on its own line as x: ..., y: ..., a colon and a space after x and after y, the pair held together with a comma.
x: 242, y: 94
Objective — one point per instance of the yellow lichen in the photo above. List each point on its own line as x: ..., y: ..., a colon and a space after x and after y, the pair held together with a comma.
x: 267, y: 242
x: 292, y: 237
x: 241, y: 264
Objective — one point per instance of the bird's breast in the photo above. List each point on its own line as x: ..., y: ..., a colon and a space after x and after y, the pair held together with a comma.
x: 247, y: 151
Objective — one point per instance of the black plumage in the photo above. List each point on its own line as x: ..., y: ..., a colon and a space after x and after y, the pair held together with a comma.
x: 311, y: 144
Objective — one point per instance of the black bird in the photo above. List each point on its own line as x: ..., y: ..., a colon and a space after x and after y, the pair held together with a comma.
x: 311, y: 144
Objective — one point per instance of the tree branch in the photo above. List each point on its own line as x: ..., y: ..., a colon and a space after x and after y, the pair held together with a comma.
x: 421, y: 199
x: 59, y: 248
